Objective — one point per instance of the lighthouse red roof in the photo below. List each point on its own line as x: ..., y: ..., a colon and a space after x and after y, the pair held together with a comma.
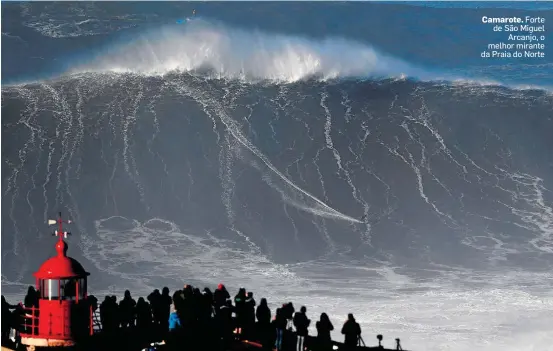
x: 61, y: 266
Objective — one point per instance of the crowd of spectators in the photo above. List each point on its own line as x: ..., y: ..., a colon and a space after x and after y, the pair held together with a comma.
x: 210, y: 319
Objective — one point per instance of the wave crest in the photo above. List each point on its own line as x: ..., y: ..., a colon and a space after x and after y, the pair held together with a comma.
x: 224, y: 52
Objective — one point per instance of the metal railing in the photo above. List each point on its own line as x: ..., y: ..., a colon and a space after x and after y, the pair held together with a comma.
x: 57, y: 325
x: 96, y: 322
x: 31, y: 318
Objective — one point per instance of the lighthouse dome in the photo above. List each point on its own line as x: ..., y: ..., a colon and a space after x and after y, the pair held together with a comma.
x: 61, y: 266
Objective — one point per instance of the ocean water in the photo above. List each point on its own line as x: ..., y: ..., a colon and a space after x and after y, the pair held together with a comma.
x: 352, y: 157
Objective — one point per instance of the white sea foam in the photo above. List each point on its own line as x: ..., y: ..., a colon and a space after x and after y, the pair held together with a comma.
x: 458, y: 310
x: 236, y: 54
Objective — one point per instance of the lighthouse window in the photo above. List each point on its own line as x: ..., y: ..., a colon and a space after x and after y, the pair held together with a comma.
x: 82, y: 288
x: 49, y: 289
x: 68, y: 289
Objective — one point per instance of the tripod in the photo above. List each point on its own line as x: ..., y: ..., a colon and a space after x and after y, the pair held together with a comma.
x: 398, y: 345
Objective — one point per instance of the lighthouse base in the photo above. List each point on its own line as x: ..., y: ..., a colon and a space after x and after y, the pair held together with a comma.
x: 46, y: 342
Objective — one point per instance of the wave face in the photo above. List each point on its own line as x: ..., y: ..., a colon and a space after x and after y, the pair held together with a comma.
x: 271, y: 162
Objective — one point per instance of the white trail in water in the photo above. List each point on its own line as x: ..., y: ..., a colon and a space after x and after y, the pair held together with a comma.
x: 320, y: 208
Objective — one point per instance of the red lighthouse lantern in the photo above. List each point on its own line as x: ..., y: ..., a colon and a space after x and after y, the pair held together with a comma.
x: 64, y: 314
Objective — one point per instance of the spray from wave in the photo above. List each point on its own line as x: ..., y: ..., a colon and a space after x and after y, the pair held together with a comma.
x: 217, y: 51
x: 223, y: 52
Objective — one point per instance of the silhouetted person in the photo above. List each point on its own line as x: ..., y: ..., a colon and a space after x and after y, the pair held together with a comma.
x: 144, y: 315
x: 155, y: 303
x: 207, y: 304
x: 226, y: 323
x: 174, y: 321
x: 279, y: 323
x: 301, y: 322
x: 7, y: 320
x: 31, y: 299
x: 127, y: 310
x: 92, y: 302
x: 352, y: 332
x: 220, y: 297
x: 263, y: 314
x: 165, y: 302
x: 207, y: 334
x: 109, y: 314
x: 288, y: 310
x: 104, y: 313
x: 188, y: 309
x: 31, y: 303
x: 174, y: 335
x: 178, y: 301
x: 116, y: 314
x: 197, y: 306
x: 249, y: 314
x: 324, y: 327
x: 18, y: 318
x: 240, y: 308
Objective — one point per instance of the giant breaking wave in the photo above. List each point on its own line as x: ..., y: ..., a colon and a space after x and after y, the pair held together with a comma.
x: 236, y: 54
x: 178, y: 161
x: 218, y: 51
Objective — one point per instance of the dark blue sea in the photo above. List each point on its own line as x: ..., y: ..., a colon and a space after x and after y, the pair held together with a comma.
x: 349, y: 156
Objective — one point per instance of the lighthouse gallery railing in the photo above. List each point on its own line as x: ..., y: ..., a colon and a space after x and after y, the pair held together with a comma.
x: 30, y: 324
